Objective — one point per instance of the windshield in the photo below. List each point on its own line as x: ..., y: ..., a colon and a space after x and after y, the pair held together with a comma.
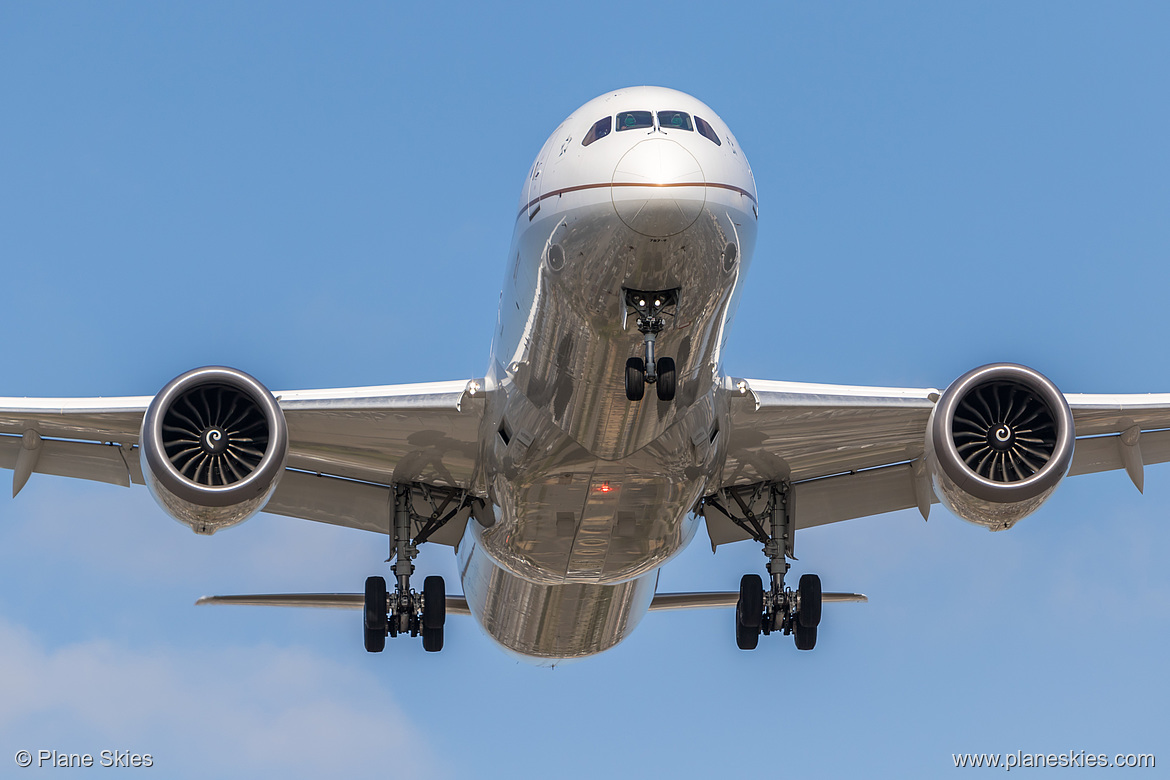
x: 601, y: 128
x: 674, y: 120
x: 708, y: 132
x: 634, y: 120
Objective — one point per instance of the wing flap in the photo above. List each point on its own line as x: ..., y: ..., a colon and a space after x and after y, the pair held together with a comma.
x: 834, y: 499
x: 850, y: 496
x: 330, y: 500
x: 1104, y: 453
x: 80, y: 460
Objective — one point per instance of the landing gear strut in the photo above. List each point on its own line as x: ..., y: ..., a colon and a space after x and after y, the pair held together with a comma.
x: 650, y: 308
x: 779, y: 608
x: 404, y: 611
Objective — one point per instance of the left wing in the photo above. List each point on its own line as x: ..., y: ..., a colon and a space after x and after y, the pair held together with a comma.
x: 346, y: 446
x: 856, y: 451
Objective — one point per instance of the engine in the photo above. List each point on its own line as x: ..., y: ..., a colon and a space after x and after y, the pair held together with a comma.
x: 213, y: 447
x: 999, y: 441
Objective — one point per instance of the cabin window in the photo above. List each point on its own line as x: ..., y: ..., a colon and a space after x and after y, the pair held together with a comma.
x: 601, y: 128
x: 674, y: 120
x: 707, y: 131
x: 634, y: 120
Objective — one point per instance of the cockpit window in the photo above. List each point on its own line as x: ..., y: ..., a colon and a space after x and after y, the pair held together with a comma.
x: 601, y: 128
x: 707, y: 131
x: 674, y: 120
x: 634, y: 120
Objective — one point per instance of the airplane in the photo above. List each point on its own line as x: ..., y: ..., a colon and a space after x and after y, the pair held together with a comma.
x: 604, y: 431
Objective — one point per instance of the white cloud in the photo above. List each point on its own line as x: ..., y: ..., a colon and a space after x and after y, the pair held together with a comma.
x: 240, y: 711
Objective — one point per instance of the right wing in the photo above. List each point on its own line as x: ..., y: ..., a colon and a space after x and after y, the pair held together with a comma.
x: 346, y: 446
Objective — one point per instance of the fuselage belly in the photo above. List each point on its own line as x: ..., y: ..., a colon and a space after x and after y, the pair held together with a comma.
x: 592, y: 492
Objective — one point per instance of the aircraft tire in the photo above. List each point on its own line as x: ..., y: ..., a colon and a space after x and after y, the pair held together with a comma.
x: 635, y: 378
x: 374, y: 615
x: 434, y: 605
x: 666, y: 379
x: 432, y: 639
x: 375, y: 605
x: 746, y: 638
x: 806, y: 638
x: 750, y: 608
x: 375, y: 640
x: 810, y: 601
x: 749, y: 612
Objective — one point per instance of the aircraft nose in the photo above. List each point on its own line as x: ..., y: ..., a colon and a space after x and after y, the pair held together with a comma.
x: 658, y: 188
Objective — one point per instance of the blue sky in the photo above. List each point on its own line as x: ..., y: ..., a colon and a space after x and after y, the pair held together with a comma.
x: 323, y: 196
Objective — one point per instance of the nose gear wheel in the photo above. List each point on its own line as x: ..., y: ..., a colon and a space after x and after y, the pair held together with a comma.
x: 635, y: 378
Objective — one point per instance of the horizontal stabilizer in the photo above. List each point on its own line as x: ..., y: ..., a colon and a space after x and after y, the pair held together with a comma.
x: 664, y: 601
x: 457, y: 605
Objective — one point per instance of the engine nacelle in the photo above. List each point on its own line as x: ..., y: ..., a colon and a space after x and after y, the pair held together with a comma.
x: 213, y: 447
x: 999, y: 441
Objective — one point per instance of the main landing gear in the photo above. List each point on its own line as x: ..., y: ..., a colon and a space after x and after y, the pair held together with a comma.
x: 650, y: 306
x: 404, y: 611
x: 777, y: 608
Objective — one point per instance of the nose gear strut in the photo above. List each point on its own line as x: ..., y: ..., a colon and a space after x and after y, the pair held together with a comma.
x: 651, y: 308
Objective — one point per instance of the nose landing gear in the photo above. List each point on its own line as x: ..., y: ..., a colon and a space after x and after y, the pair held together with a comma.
x: 635, y: 378
x: 651, y: 308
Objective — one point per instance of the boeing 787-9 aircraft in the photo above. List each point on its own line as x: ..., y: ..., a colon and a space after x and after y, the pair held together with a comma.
x: 604, y: 429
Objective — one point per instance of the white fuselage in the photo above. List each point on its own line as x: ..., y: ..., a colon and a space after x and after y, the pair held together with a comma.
x: 592, y: 492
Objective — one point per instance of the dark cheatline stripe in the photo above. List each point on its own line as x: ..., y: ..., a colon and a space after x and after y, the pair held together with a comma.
x: 564, y: 190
